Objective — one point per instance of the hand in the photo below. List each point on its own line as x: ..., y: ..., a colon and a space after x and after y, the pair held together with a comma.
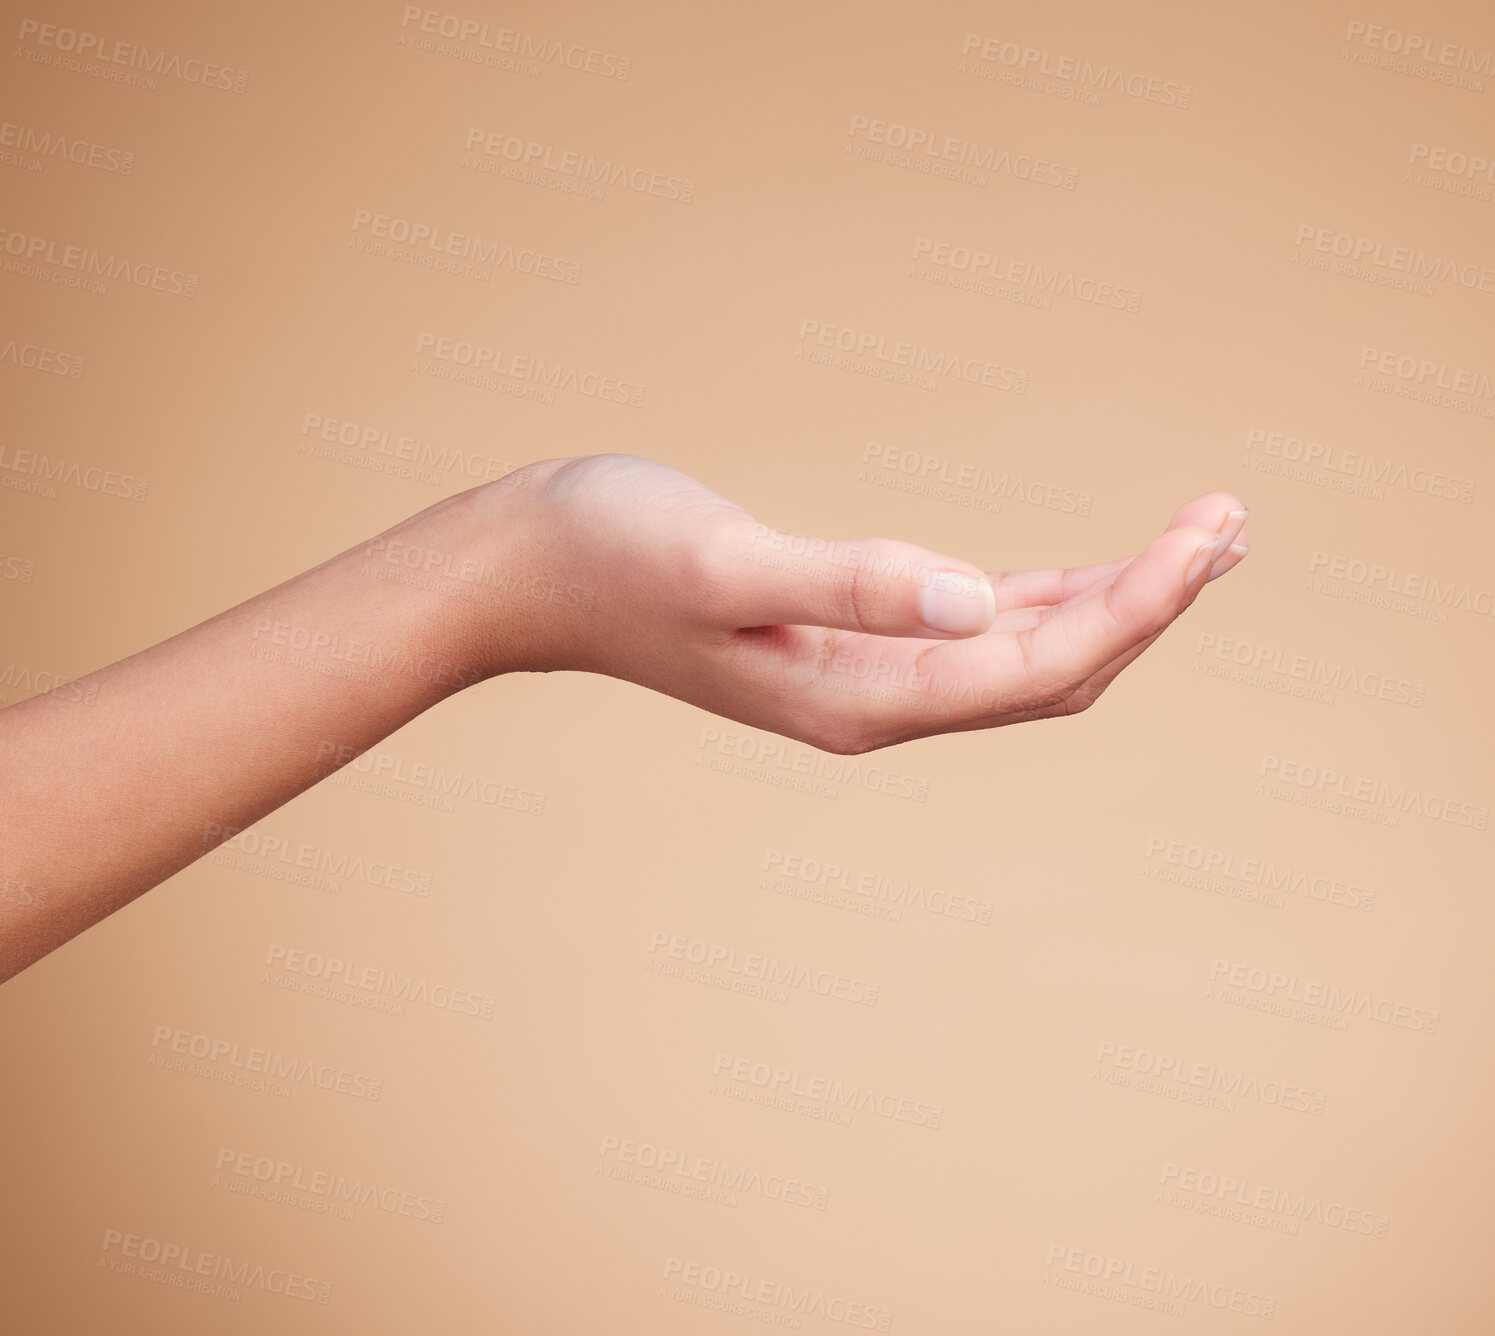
x: 849, y: 645
x: 608, y: 564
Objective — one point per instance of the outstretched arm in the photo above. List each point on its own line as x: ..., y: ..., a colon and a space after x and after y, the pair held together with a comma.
x: 605, y: 563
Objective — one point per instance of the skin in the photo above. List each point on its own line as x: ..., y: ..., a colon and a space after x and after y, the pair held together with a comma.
x: 602, y: 563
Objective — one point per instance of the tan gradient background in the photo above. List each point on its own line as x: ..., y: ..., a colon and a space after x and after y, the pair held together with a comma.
x: 1052, y: 1158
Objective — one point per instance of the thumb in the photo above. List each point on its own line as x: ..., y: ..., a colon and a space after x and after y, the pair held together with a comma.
x: 876, y: 585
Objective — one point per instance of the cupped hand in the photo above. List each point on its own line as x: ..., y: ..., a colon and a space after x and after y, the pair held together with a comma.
x: 847, y: 645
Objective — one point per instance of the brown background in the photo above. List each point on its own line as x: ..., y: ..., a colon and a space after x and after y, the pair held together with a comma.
x: 516, y: 1122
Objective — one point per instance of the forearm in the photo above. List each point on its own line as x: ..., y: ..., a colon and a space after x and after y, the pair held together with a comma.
x: 111, y: 785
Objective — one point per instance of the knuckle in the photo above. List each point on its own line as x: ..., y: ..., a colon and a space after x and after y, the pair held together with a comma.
x: 709, y: 567
x: 853, y: 589
x: 865, y: 592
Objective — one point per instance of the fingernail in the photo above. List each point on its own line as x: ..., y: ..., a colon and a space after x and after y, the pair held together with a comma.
x: 1201, y: 561
x: 956, y: 603
x: 1237, y: 549
x: 1236, y: 517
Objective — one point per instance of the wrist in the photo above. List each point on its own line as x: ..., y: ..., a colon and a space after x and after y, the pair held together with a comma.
x: 488, y: 601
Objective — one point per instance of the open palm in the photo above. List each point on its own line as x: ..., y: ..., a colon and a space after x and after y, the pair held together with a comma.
x: 848, y: 645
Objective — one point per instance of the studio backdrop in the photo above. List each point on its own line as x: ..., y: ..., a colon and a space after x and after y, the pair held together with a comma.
x: 571, y: 1008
